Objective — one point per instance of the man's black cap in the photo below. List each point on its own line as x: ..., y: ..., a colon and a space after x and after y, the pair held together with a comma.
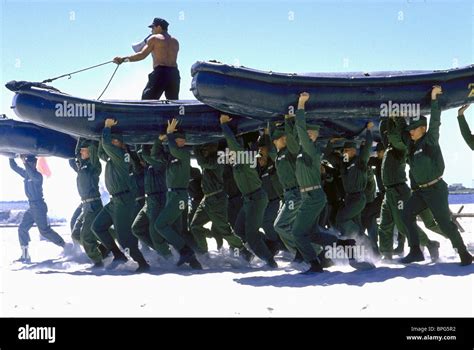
x: 159, y: 22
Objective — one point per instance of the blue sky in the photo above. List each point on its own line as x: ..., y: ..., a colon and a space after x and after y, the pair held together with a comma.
x: 43, y: 39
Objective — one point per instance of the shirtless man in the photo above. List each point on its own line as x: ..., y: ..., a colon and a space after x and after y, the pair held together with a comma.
x: 164, y: 50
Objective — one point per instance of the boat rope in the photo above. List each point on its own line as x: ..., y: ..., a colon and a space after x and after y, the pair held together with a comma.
x: 110, y: 80
x: 78, y: 71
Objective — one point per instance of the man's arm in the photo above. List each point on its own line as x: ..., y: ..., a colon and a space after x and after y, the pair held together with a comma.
x: 396, y: 132
x: 73, y: 164
x: 94, y: 157
x: 229, y: 135
x: 175, y: 151
x: 32, y: 173
x: 147, y: 49
x: 366, y: 148
x: 464, y: 127
x: 20, y: 171
x: 435, y: 116
x: 115, y: 153
x: 291, y: 141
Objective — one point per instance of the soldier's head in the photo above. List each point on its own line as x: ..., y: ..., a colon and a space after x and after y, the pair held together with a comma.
x: 180, y: 139
x: 85, y: 153
x: 313, y: 132
x: 117, y: 140
x: 350, y: 149
x: 380, y: 150
x: 159, y: 25
x: 210, y: 149
x: 279, y: 138
x: 29, y: 159
x: 262, y: 146
x: 417, y: 128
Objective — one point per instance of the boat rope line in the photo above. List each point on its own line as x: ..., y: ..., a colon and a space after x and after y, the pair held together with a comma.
x: 77, y: 71
x: 83, y: 70
x: 110, y: 80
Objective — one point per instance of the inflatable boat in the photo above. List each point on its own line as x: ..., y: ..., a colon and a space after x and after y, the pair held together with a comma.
x: 141, y: 121
x: 18, y: 137
x: 267, y: 95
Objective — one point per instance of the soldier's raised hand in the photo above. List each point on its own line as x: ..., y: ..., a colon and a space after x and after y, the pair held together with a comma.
x: 437, y: 90
x: 225, y: 118
x: 109, y: 122
x: 462, y: 109
x: 172, y: 126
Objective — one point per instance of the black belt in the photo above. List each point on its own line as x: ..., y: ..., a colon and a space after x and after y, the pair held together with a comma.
x: 120, y: 193
x: 89, y: 200
x: 177, y: 189
x: 396, y: 185
x: 291, y: 189
x: 154, y: 193
x: 252, y: 193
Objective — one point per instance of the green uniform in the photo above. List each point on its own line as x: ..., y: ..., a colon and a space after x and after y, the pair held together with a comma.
x: 213, y: 206
x: 308, y: 176
x: 430, y: 191
x: 170, y: 223
x: 255, y: 200
x: 120, y: 210
x: 354, y: 179
x: 466, y: 131
x: 271, y: 185
x: 38, y: 210
x: 155, y: 190
x: 88, y: 172
x: 285, y: 163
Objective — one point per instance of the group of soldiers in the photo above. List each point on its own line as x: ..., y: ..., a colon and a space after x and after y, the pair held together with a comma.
x: 305, y: 199
x: 298, y: 198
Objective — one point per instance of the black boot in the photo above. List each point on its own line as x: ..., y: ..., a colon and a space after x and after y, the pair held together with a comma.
x: 272, y: 263
x: 466, y: 257
x: 298, y: 257
x: 433, y: 248
x: 315, y: 268
x: 246, y: 254
x: 97, y: 266
x: 325, y: 262
x: 104, y: 251
x: 400, y: 246
x: 143, y: 266
x: 415, y: 254
x: 273, y: 246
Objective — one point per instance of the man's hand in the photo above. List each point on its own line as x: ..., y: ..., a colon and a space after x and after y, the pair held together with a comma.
x: 119, y: 60
x: 435, y: 92
x: 225, y: 118
x: 172, y: 126
x: 304, y: 97
x: 370, y: 125
x: 162, y: 137
x: 266, y: 131
x: 289, y: 116
x: 109, y: 122
x: 462, y: 110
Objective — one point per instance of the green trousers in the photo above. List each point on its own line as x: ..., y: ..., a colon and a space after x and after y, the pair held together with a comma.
x: 391, y: 216
x: 286, y: 217
x: 143, y: 226
x: 118, y: 212
x: 435, y: 198
x: 305, y: 224
x: 348, y: 218
x: 249, y: 221
x: 170, y: 223
x: 87, y: 238
x: 213, y: 209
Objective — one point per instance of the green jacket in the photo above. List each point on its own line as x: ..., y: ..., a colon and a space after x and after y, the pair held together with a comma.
x: 270, y: 181
x: 354, y: 172
x: 178, y: 163
x: 245, y: 176
x: 88, y: 172
x: 424, y: 156
x: 394, y: 159
x: 117, y: 169
x: 308, y: 158
x: 466, y: 131
x: 212, y: 172
x: 285, y: 159
x: 155, y: 171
